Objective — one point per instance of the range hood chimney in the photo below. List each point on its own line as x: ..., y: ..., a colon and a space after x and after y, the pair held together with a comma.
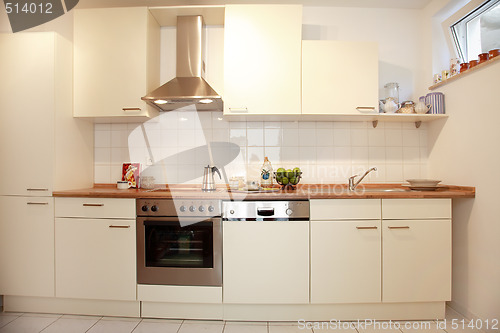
x: 188, y: 87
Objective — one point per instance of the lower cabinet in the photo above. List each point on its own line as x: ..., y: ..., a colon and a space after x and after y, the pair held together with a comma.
x: 266, y: 262
x: 402, y: 253
x: 95, y: 258
x: 27, y: 246
x: 95, y: 251
x: 416, y: 260
x: 345, y: 261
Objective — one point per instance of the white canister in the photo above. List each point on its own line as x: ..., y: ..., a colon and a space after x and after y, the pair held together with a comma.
x: 122, y: 185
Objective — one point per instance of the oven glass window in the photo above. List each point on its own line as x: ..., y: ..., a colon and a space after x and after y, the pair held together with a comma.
x: 170, y: 245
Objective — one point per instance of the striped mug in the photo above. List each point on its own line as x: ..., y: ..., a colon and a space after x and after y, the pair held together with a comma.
x: 436, y: 99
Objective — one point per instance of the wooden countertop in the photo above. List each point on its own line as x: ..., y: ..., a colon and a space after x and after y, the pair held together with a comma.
x: 303, y: 192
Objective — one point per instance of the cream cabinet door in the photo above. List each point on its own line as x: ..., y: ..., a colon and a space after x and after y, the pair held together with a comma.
x: 95, y: 258
x: 116, y: 61
x: 262, y: 51
x: 416, y: 260
x: 339, y: 77
x: 345, y: 261
x: 266, y: 262
x: 27, y: 246
x: 27, y: 113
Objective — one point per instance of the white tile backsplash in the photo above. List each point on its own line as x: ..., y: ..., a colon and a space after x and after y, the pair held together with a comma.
x: 326, y: 151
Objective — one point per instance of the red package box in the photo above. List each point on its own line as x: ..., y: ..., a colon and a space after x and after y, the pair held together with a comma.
x: 130, y: 173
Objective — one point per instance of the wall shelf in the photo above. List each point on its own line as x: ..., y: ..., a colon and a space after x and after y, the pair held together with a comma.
x: 374, y: 118
x: 467, y: 72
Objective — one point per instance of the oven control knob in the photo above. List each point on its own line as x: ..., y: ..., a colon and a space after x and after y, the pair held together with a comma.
x: 289, y: 212
x: 183, y: 208
x: 154, y: 208
x: 145, y: 208
x: 231, y: 211
x: 192, y: 209
x: 201, y: 208
x: 211, y: 208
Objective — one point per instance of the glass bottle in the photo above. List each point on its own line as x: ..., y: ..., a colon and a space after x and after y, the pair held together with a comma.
x: 392, y: 92
x: 266, y: 173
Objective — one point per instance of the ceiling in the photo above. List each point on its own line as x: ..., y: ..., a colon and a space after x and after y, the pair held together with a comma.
x: 408, y: 4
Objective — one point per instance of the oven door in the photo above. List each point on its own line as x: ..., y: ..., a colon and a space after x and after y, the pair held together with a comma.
x: 169, y: 253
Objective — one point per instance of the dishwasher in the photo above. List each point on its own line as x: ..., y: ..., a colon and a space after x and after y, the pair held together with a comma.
x: 265, y: 252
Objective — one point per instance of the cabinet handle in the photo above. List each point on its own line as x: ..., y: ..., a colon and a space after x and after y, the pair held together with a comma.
x: 239, y: 110
x: 365, y: 108
x: 131, y: 109
x: 119, y: 226
x: 92, y: 205
x: 404, y: 227
x: 37, y: 189
x: 374, y: 227
x: 37, y: 203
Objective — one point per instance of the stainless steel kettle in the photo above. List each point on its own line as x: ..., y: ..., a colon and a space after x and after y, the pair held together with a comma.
x: 208, y: 178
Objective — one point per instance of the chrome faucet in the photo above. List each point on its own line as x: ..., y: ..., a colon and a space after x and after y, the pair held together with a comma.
x: 352, y: 184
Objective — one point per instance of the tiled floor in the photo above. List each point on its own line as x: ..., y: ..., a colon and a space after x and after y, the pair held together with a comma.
x: 48, y: 323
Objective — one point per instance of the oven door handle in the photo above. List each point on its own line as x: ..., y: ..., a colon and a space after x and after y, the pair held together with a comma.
x: 185, y: 221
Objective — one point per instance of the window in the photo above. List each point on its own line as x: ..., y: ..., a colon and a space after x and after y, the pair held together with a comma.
x: 478, y: 31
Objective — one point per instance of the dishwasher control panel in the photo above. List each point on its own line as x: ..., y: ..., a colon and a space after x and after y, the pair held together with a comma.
x: 265, y: 210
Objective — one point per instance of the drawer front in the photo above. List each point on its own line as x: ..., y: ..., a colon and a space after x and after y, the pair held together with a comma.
x: 345, y: 209
x: 95, y: 208
x: 416, y: 209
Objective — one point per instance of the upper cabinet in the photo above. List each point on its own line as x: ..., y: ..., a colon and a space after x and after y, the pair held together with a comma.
x: 43, y: 146
x: 116, y: 62
x: 262, y: 59
x: 339, y: 77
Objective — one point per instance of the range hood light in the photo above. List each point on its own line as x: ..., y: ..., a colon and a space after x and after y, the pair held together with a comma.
x: 161, y: 101
x: 206, y: 101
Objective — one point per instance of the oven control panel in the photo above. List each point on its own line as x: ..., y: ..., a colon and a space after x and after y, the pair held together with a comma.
x: 177, y: 207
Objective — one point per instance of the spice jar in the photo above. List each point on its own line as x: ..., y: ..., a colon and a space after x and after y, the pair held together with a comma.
x: 464, y: 66
x: 483, y: 57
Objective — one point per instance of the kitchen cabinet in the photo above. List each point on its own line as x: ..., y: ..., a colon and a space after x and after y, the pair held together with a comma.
x: 262, y: 59
x: 398, y: 250
x: 116, y: 62
x: 266, y: 262
x: 27, y: 246
x: 44, y: 145
x: 416, y: 250
x: 345, y: 251
x: 95, y: 258
x: 339, y: 77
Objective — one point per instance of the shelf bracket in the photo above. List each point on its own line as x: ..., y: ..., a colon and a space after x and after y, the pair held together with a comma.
x: 375, y: 123
x: 418, y: 123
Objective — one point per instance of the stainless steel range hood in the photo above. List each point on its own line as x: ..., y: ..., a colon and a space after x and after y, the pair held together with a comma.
x: 189, y: 87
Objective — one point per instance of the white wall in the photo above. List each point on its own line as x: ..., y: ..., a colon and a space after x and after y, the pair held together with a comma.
x: 464, y: 150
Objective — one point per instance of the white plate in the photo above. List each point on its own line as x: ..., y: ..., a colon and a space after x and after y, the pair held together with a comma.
x: 423, y: 182
x: 424, y: 188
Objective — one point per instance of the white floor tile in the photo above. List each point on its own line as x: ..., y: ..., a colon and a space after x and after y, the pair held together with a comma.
x: 6, y: 318
x: 287, y: 327
x: 115, y: 325
x: 341, y: 327
x: 245, y: 328
x: 27, y: 324
x: 201, y: 328
x: 422, y: 326
x: 158, y: 326
x: 378, y: 327
x: 258, y: 323
x: 73, y: 324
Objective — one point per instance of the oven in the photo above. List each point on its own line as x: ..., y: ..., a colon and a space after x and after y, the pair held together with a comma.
x: 179, y: 242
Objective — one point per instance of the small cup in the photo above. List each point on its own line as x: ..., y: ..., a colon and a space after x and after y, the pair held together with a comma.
x: 437, y: 78
x: 122, y: 185
x: 494, y: 53
x: 483, y: 57
x: 445, y: 74
x: 472, y: 63
x: 464, y: 66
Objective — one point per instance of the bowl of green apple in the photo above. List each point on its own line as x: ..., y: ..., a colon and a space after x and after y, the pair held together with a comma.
x: 288, y: 178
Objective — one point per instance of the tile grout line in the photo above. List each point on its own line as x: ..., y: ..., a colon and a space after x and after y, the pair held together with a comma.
x: 94, y: 324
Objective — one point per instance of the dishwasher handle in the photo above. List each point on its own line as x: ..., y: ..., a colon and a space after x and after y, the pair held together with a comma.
x: 265, y: 211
